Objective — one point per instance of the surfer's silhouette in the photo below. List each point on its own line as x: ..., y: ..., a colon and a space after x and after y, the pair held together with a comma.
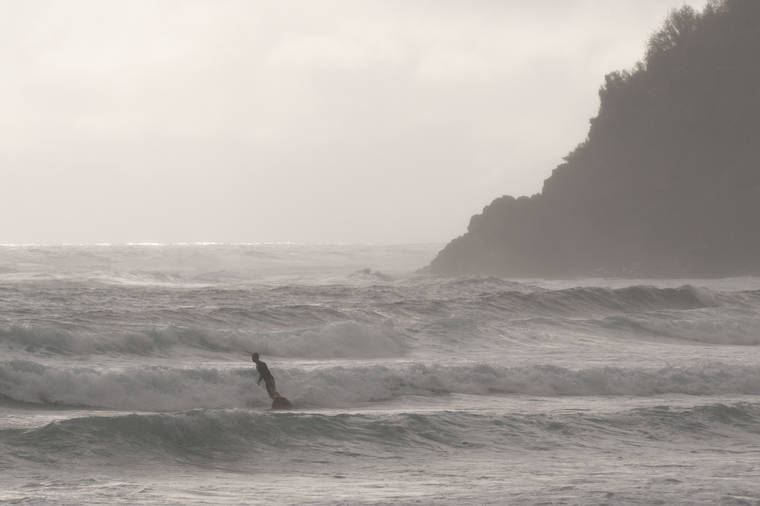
x: 264, y: 374
x: 278, y: 401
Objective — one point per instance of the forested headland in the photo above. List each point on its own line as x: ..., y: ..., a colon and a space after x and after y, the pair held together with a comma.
x: 667, y: 182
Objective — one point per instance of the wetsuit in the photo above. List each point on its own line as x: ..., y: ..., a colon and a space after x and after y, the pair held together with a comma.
x: 264, y: 374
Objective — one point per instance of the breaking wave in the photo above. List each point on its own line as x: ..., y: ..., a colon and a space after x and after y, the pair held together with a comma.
x: 726, y: 328
x: 345, y: 321
x: 169, y: 389
x: 238, y: 434
x: 341, y: 339
x: 602, y: 300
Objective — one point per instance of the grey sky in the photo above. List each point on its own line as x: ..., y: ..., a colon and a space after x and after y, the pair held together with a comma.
x: 312, y: 121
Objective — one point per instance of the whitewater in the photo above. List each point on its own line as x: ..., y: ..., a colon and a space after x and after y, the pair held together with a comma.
x: 125, y: 377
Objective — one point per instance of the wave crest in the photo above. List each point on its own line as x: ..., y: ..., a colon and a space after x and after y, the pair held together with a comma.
x: 170, y: 389
x: 240, y: 434
x: 341, y: 339
x: 593, y: 300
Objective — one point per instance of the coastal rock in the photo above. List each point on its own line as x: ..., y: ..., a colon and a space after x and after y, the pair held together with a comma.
x: 667, y: 183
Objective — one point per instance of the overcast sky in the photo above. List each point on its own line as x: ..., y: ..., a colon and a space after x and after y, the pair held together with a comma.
x: 311, y: 121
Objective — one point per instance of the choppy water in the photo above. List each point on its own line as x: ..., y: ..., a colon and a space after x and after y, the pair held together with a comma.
x: 125, y: 377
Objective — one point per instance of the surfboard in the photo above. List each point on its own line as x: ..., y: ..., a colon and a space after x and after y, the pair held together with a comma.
x: 281, y: 402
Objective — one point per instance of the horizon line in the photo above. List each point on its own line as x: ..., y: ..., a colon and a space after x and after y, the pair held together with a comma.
x: 210, y: 243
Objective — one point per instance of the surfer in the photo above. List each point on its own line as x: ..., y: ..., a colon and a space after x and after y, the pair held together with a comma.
x: 278, y: 401
x: 264, y: 374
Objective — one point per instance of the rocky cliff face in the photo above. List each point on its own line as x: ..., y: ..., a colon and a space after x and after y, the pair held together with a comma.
x: 667, y: 182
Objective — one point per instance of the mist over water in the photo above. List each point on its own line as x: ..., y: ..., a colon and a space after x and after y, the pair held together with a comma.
x: 134, y: 362
x: 501, y: 367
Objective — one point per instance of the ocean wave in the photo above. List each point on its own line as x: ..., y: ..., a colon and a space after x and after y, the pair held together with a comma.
x: 237, y: 434
x: 340, y: 321
x: 339, y: 339
x: 344, y: 339
x: 218, y: 264
x: 594, y: 300
x: 232, y: 432
x: 149, y: 388
x: 342, y: 386
x: 370, y: 275
x: 725, y: 328
x: 169, y: 389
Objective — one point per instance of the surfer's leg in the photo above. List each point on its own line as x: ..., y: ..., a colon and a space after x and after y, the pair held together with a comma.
x: 271, y: 390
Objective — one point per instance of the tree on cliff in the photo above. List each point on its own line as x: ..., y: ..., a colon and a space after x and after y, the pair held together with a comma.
x: 667, y: 183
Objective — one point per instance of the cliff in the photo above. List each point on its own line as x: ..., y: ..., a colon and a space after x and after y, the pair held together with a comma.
x: 667, y: 183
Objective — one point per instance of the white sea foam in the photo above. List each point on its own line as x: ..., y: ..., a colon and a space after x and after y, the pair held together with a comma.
x: 166, y: 389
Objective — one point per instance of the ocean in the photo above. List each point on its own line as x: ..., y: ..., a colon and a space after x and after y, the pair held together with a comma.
x: 125, y: 377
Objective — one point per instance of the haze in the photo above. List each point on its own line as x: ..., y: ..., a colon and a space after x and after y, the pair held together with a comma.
x: 317, y: 122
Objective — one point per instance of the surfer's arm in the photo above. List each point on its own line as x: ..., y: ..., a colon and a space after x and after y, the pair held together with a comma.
x: 260, y: 378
